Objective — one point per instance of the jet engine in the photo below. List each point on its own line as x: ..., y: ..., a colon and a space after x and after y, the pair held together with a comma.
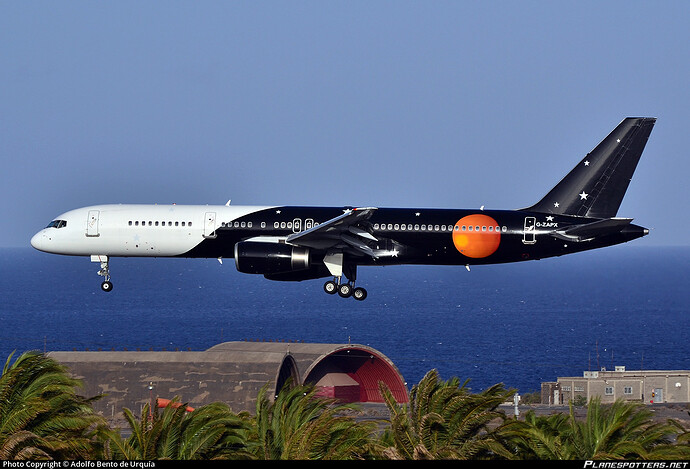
x: 253, y: 257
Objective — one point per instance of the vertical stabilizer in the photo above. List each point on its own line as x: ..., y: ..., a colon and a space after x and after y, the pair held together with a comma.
x: 596, y: 186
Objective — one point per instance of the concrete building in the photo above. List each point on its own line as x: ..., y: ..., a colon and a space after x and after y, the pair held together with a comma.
x: 231, y: 372
x: 649, y: 387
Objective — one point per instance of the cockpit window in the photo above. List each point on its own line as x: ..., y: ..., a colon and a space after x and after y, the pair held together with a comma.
x: 57, y: 224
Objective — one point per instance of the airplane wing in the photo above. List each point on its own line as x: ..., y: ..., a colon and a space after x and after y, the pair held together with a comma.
x: 341, y: 230
x: 579, y: 233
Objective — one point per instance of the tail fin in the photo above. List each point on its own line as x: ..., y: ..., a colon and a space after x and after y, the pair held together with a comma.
x: 596, y: 186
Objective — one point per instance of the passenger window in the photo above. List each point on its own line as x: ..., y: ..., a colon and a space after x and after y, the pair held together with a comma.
x: 177, y: 223
x: 130, y: 223
x: 263, y: 224
x: 376, y: 226
x: 249, y: 224
x: 183, y: 223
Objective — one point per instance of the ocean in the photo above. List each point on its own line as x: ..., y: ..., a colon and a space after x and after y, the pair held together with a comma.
x: 516, y: 324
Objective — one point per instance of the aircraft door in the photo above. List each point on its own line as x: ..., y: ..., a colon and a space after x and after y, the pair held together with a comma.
x: 296, y: 225
x: 92, y: 223
x: 210, y: 225
x: 529, y: 235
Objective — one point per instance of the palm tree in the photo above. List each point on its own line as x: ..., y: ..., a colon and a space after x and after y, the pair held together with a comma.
x: 212, y: 431
x: 41, y: 417
x: 299, y: 425
x: 443, y: 420
x: 622, y: 430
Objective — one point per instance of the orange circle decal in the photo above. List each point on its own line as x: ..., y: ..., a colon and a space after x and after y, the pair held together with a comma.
x: 476, y: 236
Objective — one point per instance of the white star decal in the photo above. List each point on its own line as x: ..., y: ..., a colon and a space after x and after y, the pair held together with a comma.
x: 556, y: 204
x: 618, y: 140
x: 549, y: 218
x: 583, y: 196
x: 586, y: 163
x: 278, y: 212
x: 417, y: 214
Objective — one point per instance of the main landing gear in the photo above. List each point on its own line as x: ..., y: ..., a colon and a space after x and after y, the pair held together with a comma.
x: 107, y: 285
x: 345, y: 290
x: 338, y: 268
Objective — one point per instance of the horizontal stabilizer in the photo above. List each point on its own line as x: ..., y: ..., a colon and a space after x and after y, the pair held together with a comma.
x: 586, y: 232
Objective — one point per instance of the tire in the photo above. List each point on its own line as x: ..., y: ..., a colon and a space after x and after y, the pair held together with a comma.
x: 330, y: 287
x: 359, y: 294
x: 107, y: 286
x: 345, y: 290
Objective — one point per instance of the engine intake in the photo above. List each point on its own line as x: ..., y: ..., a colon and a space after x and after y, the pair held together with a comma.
x: 253, y: 257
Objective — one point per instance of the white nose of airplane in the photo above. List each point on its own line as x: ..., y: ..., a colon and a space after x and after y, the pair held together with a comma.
x: 37, y: 240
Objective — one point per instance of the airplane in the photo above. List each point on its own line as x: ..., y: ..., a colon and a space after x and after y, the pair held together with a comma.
x: 296, y: 243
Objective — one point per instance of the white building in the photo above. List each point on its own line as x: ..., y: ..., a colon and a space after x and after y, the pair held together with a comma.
x: 649, y: 386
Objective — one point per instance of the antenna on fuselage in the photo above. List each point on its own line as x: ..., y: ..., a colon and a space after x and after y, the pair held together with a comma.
x: 228, y: 203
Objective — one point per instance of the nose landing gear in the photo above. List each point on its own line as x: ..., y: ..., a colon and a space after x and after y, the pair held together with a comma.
x: 107, y: 285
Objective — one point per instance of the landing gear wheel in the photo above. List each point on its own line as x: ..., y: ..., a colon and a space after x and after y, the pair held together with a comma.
x: 345, y: 290
x: 330, y: 287
x: 359, y: 294
x: 107, y: 285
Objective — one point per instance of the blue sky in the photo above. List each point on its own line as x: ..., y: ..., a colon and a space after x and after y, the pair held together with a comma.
x: 377, y: 103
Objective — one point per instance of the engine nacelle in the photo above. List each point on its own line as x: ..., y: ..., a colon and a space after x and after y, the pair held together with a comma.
x: 253, y: 257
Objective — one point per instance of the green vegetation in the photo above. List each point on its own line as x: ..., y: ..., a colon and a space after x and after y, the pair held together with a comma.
x: 41, y: 417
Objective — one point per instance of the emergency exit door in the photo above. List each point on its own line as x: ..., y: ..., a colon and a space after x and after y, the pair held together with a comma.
x: 529, y: 233
x: 92, y: 223
x: 210, y: 225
